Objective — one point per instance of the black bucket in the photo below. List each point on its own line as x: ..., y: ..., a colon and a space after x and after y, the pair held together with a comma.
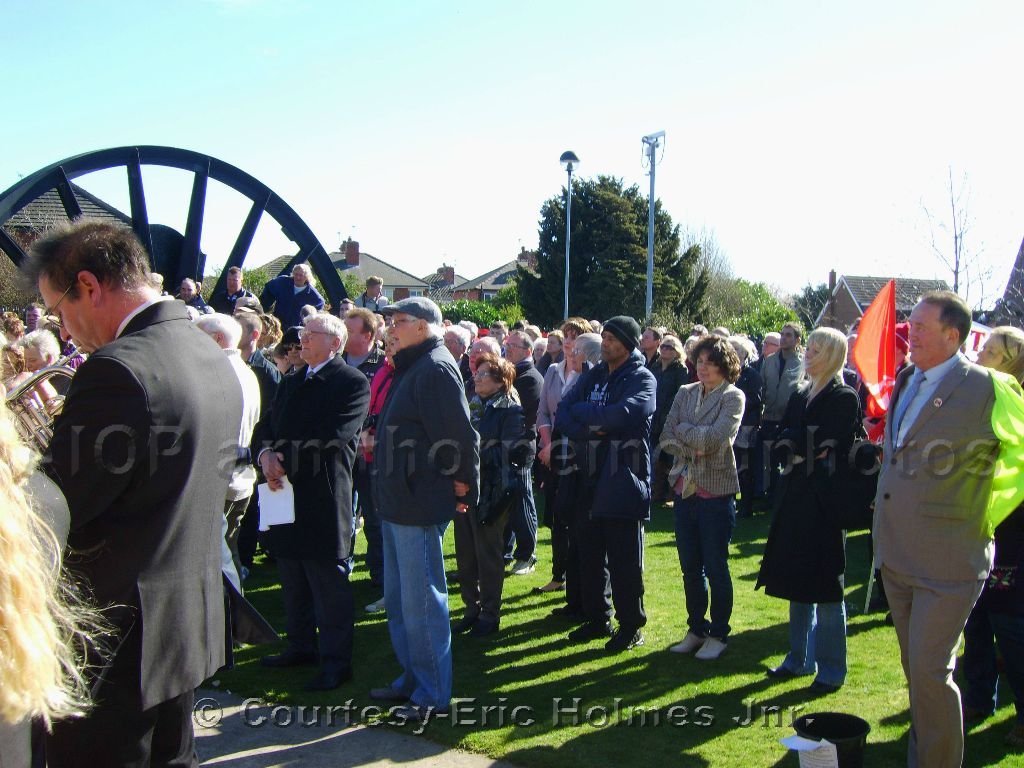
x: 848, y: 732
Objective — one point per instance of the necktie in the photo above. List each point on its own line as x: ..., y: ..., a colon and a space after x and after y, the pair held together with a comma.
x: 904, y: 402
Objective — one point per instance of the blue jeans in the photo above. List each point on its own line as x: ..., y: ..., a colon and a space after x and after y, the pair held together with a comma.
x: 416, y: 600
x: 703, y: 531
x: 521, y: 529
x: 817, y: 639
x: 979, y: 662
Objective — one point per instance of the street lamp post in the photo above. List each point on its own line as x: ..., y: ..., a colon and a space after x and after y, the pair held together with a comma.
x: 570, y: 162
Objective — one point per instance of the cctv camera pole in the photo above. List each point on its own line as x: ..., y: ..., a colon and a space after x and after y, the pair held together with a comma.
x: 652, y: 143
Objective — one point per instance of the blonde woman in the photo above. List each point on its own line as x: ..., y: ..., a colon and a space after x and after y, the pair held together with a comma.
x: 805, y: 557
x: 40, y: 674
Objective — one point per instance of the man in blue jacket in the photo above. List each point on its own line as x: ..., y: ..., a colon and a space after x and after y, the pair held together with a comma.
x: 607, y: 415
x: 286, y: 296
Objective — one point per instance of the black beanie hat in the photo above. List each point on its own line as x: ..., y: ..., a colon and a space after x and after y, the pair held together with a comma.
x: 625, y: 329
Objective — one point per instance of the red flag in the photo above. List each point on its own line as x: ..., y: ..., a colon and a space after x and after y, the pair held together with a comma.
x: 874, y: 352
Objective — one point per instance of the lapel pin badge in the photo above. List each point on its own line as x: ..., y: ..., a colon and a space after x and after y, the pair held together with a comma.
x: 937, y: 402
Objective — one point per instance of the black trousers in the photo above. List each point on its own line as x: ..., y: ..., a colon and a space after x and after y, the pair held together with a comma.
x: 611, y: 565
x: 371, y: 523
x: 118, y: 733
x: 318, y: 595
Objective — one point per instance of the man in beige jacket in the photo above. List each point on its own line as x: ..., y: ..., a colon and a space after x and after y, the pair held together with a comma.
x: 931, y: 535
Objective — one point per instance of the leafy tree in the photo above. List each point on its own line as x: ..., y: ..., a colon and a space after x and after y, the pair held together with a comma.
x: 13, y: 295
x: 483, y: 313
x: 760, y: 311
x: 608, y: 259
x: 809, y: 303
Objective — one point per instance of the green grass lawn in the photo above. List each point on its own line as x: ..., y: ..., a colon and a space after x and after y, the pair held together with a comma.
x: 684, y: 712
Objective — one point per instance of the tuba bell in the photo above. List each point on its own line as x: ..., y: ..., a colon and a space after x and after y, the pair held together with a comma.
x: 34, y: 417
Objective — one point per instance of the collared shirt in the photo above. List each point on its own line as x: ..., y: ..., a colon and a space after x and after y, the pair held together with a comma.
x: 932, y: 378
x: 315, y: 369
x: 137, y: 310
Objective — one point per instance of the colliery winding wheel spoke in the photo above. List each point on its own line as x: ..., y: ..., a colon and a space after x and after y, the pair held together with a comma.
x: 180, y: 256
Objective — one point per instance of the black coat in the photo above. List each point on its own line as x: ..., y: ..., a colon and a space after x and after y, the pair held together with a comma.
x: 750, y: 384
x: 805, y: 556
x: 314, y: 424
x: 143, y: 452
x: 669, y: 381
x: 528, y: 385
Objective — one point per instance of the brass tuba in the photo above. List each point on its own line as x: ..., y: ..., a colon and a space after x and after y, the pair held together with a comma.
x: 34, y: 418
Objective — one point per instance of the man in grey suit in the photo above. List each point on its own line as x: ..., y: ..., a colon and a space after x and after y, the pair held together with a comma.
x: 931, y: 535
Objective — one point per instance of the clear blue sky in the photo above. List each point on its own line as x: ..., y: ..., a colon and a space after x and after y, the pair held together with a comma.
x: 804, y: 135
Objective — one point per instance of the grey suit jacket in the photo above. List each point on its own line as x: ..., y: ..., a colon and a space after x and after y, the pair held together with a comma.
x: 932, y: 491
x: 709, y: 431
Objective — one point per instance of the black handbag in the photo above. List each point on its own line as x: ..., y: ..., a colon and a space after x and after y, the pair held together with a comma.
x: 499, y: 493
x: 851, y: 487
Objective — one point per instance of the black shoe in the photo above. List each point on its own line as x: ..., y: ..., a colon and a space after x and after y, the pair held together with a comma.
x: 565, y: 612
x: 624, y: 639
x: 483, y: 628
x: 290, y: 659
x: 780, y: 673
x: 387, y: 693
x: 592, y: 630
x: 822, y: 689
x: 463, y: 625
x: 329, y: 679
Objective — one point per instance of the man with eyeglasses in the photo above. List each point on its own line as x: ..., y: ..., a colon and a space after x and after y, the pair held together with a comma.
x: 781, y: 373
x: 521, y: 532
x: 138, y: 452
x: 427, y: 458
x: 308, y: 435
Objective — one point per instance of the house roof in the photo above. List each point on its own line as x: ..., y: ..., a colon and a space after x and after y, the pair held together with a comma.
x: 392, y: 276
x: 494, y: 280
x: 441, y: 292
x: 908, y: 289
x: 863, y: 291
x: 47, y: 210
x: 1010, y: 308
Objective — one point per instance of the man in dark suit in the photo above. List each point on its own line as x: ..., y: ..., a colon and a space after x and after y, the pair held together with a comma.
x: 522, y: 524
x: 309, y: 435
x: 143, y: 451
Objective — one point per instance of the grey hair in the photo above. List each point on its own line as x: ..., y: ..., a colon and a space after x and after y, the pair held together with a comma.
x: 225, y: 325
x: 43, y: 342
x: 490, y: 344
x: 461, y: 333
x: 328, y: 323
x: 744, y: 347
x: 435, y: 331
x: 473, y: 328
x: 306, y: 270
x: 589, y: 345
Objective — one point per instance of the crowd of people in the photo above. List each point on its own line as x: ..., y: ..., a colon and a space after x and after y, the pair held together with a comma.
x: 386, y: 418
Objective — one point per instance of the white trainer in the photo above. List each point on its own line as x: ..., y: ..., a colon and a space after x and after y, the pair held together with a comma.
x: 689, y: 644
x: 523, y: 567
x: 712, y: 649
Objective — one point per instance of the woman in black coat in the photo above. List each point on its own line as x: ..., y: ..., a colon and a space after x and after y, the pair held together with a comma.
x: 749, y: 383
x: 671, y: 374
x: 805, y: 556
x: 480, y: 532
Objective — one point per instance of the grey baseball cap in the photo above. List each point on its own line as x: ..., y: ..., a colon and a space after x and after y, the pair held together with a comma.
x: 417, y: 306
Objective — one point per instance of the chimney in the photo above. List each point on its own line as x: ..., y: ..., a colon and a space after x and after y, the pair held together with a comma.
x: 447, y: 274
x: 352, y: 252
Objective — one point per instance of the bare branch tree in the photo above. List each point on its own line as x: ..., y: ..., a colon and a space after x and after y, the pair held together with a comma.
x: 949, y: 241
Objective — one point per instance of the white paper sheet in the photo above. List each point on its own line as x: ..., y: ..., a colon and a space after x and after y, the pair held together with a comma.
x: 813, y: 754
x: 276, y: 507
